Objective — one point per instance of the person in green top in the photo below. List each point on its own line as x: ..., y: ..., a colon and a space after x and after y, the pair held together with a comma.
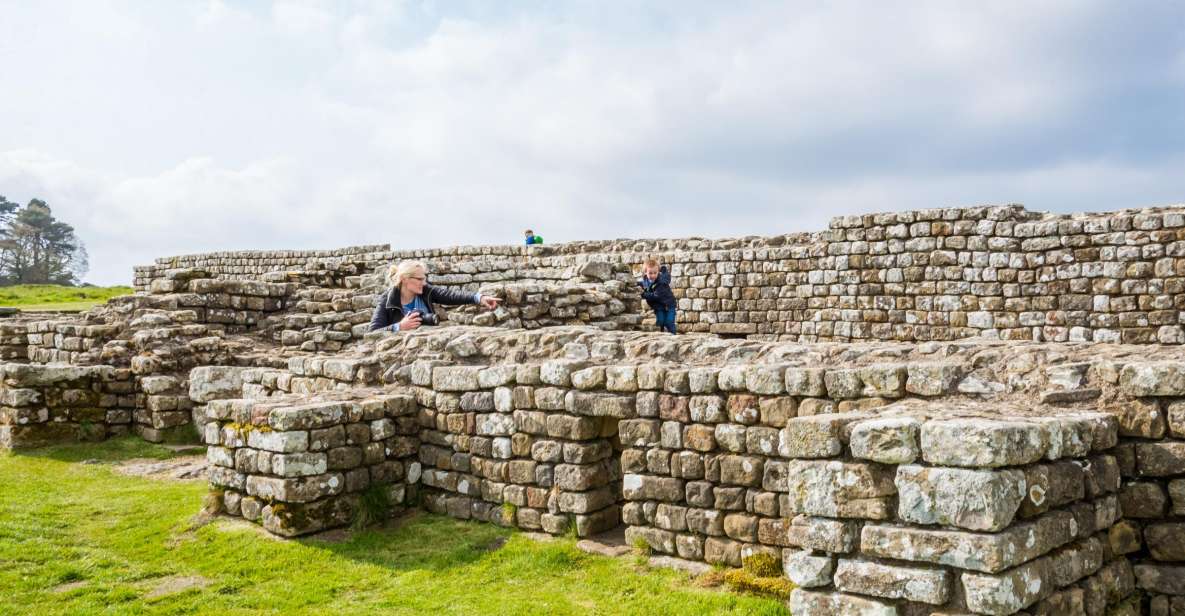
x: 532, y: 238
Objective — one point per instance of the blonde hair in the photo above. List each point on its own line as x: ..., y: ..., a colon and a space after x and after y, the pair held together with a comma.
x: 403, y: 269
x: 650, y: 263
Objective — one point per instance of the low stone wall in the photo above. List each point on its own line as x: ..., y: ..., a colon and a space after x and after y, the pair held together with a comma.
x: 298, y: 467
x: 1152, y: 461
x: 938, y: 274
x: 248, y: 264
x: 42, y: 405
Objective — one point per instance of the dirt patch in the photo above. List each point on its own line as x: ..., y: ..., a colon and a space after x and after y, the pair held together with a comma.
x: 67, y: 587
x: 175, y: 584
x: 176, y: 469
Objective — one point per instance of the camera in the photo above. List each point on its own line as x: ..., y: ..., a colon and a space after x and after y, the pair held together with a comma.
x: 427, y: 318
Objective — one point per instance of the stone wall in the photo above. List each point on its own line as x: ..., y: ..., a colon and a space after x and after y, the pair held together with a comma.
x: 41, y: 405
x: 249, y: 264
x: 298, y: 467
x: 941, y: 274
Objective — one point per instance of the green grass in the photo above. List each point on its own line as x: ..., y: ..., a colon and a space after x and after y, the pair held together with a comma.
x: 78, y: 539
x: 55, y: 297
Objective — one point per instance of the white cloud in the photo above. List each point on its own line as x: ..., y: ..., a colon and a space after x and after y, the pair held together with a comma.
x: 162, y: 130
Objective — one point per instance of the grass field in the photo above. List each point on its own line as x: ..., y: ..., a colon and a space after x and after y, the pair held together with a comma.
x: 77, y: 538
x: 54, y: 297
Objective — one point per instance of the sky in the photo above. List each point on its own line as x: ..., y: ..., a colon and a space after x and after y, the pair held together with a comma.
x: 162, y: 128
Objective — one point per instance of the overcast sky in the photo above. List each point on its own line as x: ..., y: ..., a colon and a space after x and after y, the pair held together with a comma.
x: 160, y: 128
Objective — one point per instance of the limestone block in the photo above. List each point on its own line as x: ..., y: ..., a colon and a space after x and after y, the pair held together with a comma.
x: 1011, y: 591
x: 1166, y: 541
x: 971, y: 499
x: 840, y: 489
x: 865, y: 577
x: 988, y: 553
x: 982, y: 442
x: 731, y: 437
x: 816, y: 436
x: 1153, y: 379
x: 843, y: 383
x: 822, y: 534
x: 307, y: 416
x: 600, y: 405
x: 648, y: 487
x: 296, y: 489
x: 741, y: 470
x: 707, y: 409
x: 892, y: 440
x: 807, y: 570
x: 933, y: 379
x: 1166, y: 579
x: 281, y: 442
x: 621, y: 378
x: 456, y: 378
x: 815, y: 603
x: 805, y: 382
x: 883, y: 380
x: 1143, y: 500
x: 299, y: 464
x: 559, y: 372
x: 770, y: 380
x: 589, y: 378
x: 1161, y: 459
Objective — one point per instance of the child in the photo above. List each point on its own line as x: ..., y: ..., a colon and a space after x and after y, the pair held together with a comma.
x: 532, y: 238
x: 656, y: 290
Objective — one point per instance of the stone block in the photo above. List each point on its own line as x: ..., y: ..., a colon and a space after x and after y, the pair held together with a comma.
x: 1161, y: 459
x: 807, y: 570
x: 892, y: 440
x: 600, y: 405
x: 923, y: 585
x: 982, y: 442
x: 818, y: 436
x: 840, y: 489
x: 971, y: 499
x: 822, y: 603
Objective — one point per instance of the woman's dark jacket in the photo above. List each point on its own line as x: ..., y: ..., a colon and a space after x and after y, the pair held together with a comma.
x: 389, y: 311
x: 659, y: 294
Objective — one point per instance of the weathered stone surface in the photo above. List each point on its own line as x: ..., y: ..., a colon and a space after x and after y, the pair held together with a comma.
x: 1161, y: 459
x: 807, y: 570
x: 924, y: 585
x: 1139, y: 380
x: 892, y: 440
x: 1166, y: 541
x: 823, y: 534
x: 815, y: 603
x: 456, y: 378
x: 975, y: 500
x: 989, y: 553
x: 839, y: 489
x: 932, y: 379
x: 1011, y: 591
x: 214, y: 382
x: 814, y: 437
x: 600, y: 405
x: 982, y: 442
x: 1167, y: 579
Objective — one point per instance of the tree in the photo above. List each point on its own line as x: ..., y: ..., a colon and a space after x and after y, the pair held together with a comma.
x: 36, y: 248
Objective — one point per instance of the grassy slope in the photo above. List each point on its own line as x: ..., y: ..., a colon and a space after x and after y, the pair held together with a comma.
x: 54, y: 297
x: 111, y: 539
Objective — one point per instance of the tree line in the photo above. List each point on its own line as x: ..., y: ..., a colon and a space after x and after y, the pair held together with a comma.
x: 36, y: 248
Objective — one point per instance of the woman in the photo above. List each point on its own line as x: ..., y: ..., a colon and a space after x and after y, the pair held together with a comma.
x: 410, y: 296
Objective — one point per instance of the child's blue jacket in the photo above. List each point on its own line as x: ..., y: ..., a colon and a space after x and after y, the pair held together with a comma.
x: 658, y: 293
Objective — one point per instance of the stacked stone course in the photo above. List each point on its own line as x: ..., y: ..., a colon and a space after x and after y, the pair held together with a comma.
x: 297, y: 466
x: 41, y: 405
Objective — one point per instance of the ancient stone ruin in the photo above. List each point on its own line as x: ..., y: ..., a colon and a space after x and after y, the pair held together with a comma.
x: 954, y: 411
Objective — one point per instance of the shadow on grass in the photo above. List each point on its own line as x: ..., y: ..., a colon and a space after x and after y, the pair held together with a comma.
x: 415, y: 540
x: 111, y: 450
